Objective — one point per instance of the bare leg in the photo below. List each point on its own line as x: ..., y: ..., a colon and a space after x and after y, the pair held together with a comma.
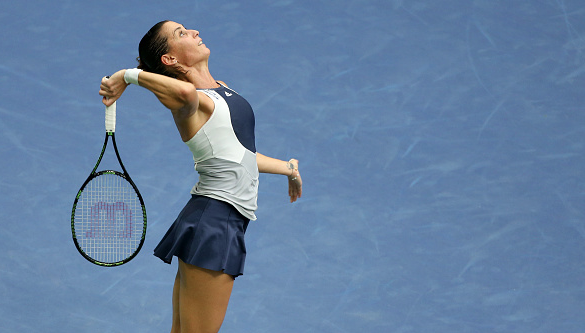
x: 176, y: 328
x: 203, y: 297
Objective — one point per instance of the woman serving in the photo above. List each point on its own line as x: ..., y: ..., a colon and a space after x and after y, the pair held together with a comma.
x: 217, y: 125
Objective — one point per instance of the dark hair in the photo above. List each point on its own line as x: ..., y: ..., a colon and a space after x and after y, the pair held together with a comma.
x: 150, y: 50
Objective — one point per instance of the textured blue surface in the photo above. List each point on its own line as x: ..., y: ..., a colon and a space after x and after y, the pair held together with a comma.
x: 441, y: 146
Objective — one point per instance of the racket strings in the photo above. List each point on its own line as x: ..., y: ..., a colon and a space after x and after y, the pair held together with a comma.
x: 109, y: 220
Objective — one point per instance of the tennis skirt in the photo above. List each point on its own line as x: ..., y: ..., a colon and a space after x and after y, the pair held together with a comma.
x: 208, y: 233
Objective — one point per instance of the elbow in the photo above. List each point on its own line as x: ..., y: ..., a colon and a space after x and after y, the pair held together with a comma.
x: 186, y: 101
x: 187, y: 94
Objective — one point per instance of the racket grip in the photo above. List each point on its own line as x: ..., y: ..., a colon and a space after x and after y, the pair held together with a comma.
x: 111, y: 118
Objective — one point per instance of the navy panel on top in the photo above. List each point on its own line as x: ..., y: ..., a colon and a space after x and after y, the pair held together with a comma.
x: 242, y: 115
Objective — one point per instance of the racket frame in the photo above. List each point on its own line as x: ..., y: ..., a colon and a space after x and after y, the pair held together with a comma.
x: 110, y: 133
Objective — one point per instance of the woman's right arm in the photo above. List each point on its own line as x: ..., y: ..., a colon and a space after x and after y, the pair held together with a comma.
x: 178, y: 96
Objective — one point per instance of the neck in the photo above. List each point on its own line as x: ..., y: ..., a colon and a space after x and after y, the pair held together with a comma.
x: 200, y: 77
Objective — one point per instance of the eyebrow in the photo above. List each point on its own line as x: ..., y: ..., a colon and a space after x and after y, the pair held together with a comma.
x: 178, y: 28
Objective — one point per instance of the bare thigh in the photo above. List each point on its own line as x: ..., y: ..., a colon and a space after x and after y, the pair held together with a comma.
x: 203, y: 297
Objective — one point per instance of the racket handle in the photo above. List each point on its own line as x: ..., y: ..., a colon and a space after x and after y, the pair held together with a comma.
x: 111, y: 118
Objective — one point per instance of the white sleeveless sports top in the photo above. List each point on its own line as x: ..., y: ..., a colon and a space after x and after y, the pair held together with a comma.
x: 224, y: 152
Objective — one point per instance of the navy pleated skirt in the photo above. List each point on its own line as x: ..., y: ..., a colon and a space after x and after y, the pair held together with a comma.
x: 208, y: 233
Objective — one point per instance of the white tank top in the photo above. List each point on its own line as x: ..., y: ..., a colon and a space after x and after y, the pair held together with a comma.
x: 225, y: 154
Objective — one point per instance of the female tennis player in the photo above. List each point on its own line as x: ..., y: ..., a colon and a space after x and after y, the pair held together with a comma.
x: 217, y: 125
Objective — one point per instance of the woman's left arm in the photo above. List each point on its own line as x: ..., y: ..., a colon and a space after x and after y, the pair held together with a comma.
x: 290, y: 169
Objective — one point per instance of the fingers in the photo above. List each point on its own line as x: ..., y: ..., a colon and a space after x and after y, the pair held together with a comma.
x: 111, y: 88
x: 295, y: 188
x: 106, y: 91
x: 108, y: 101
x: 104, y: 82
x: 295, y: 184
x: 300, y: 192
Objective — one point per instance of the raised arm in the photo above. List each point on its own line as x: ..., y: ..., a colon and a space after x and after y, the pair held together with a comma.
x: 172, y: 93
x: 179, y: 96
x: 290, y: 169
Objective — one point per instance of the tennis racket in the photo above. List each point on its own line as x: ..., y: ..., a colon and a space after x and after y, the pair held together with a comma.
x: 108, y: 220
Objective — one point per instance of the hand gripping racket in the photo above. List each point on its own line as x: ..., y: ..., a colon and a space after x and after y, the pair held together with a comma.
x: 108, y: 220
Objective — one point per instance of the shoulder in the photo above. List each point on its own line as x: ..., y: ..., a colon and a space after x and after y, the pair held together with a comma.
x: 222, y: 83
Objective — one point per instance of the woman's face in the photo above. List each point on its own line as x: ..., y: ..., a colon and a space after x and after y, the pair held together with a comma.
x: 185, y: 46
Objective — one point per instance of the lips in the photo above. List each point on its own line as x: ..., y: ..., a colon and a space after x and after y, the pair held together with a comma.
x: 200, y: 42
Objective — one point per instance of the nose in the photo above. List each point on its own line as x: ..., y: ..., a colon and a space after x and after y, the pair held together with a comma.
x: 195, y: 33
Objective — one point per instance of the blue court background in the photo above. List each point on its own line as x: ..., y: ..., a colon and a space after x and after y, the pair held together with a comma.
x: 440, y: 142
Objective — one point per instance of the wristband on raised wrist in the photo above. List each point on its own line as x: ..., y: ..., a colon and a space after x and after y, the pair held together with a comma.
x: 131, y: 76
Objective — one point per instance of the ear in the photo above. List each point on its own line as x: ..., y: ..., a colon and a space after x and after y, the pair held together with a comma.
x: 168, y: 60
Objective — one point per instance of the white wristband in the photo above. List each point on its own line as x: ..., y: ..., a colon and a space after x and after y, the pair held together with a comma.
x: 131, y: 76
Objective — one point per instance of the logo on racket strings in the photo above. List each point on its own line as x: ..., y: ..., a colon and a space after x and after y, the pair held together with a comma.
x: 110, y: 220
